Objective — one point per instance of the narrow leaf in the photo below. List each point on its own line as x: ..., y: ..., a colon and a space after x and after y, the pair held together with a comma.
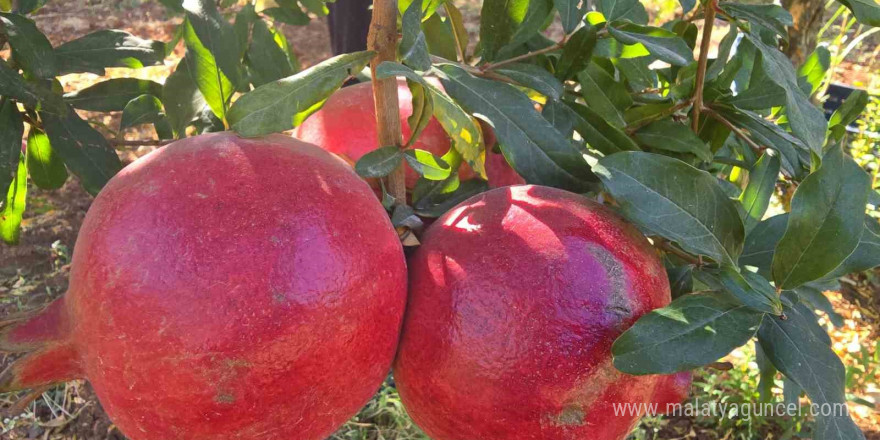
x: 866, y: 11
x: 826, y: 221
x: 749, y: 288
x: 669, y: 135
x: 577, y: 52
x: 529, y: 143
x: 865, y: 256
x: 13, y: 207
x: 533, y: 77
x: 499, y: 20
x: 428, y: 165
x: 631, y: 10
x: 379, y: 163
x: 570, y: 13
x: 181, y: 98
x: 112, y: 94
x: 46, y: 169
x: 204, y: 71
x: 670, y: 198
x: 595, y: 130
x: 147, y: 109
x: 692, y: 331
x: 30, y: 48
x: 85, y: 151
x: 771, y: 17
x: 413, y: 47
x: 794, y: 347
x: 216, y: 35
x: 762, y: 182
x: 272, y: 107
x: 761, y: 243
x: 11, y: 131
x: 265, y: 58
x: 604, y: 95
x: 663, y: 44
x: 108, y: 48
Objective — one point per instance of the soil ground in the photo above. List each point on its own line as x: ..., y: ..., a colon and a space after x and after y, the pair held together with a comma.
x: 36, y: 271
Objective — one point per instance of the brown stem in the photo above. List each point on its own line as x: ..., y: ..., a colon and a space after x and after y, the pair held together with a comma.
x: 383, y: 40
x: 739, y: 133
x: 703, y: 62
x: 524, y: 56
x: 630, y: 129
x: 139, y: 142
x: 666, y: 246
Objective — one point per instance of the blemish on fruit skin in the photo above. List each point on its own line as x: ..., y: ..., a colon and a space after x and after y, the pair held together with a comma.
x: 572, y: 415
x: 224, y: 398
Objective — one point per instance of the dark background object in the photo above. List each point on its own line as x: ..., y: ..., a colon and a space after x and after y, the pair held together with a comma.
x: 349, y: 23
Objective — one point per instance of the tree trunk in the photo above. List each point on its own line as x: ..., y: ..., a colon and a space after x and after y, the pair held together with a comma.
x: 802, y: 36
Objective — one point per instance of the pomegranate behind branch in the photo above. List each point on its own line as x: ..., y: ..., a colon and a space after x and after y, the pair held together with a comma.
x: 224, y: 288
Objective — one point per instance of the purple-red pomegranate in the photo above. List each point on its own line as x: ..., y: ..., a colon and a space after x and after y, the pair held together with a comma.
x: 346, y: 126
x: 516, y: 296
x: 225, y: 288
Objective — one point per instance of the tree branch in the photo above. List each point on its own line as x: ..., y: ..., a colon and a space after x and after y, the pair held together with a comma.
x: 703, y: 62
x: 736, y: 130
x: 383, y: 39
x: 524, y: 56
x: 666, y: 246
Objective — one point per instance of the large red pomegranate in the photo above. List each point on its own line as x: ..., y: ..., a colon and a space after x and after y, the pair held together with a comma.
x: 516, y: 296
x: 225, y: 288
x: 346, y: 125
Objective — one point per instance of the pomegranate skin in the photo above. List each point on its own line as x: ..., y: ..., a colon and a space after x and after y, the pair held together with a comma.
x: 516, y: 296
x: 222, y: 288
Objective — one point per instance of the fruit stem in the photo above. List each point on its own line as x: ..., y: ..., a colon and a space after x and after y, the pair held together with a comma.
x: 383, y: 40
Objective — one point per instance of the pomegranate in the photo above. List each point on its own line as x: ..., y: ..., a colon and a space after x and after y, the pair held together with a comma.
x: 223, y: 288
x: 346, y: 126
x: 516, y: 296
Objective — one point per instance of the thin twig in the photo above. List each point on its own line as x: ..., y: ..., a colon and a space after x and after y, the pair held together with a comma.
x: 703, y: 62
x: 140, y: 142
x: 524, y: 56
x: 666, y: 246
x: 630, y: 129
x: 739, y: 133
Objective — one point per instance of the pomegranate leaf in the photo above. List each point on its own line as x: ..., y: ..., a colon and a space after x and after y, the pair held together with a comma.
x: 669, y: 135
x: 762, y: 183
x: 215, y: 86
x: 749, y: 288
x: 796, y: 349
x: 13, y: 206
x: 11, y: 131
x: 45, y: 167
x: 379, y: 163
x: 674, y: 200
x: 206, y: 26
x: 692, y: 331
x: 266, y: 59
x: 428, y: 165
x: 112, y: 95
x: 146, y: 109
x: 534, y: 77
x: 30, y: 48
x: 826, y: 221
x: 181, y: 98
x: 570, y: 13
x: 761, y: 242
x: 272, y: 107
x: 108, y: 48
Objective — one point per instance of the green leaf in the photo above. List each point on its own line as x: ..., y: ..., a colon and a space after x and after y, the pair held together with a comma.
x: 440, y: 37
x: 428, y: 165
x: 293, y: 15
x: 762, y: 94
x: 272, y: 107
x: 46, y: 169
x: 242, y: 26
x: 577, y: 52
x: 807, y: 121
x: 85, y: 151
x: 212, y: 82
x: 865, y: 256
x: 113, y: 94
x: 604, y: 95
x: 498, y: 22
x: 456, y: 21
x: 850, y: 110
x: 530, y: 144
x: 30, y: 48
x: 422, y: 110
x: 692, y: 331
x: 767, y: 375
x: 815, y: 68
x: 762, y: 182
x: 570, y: 13
x: 812, y: 293
x: 771, y: 17
x: 533, y: 77
x: 670, y: 198
x: 638, y: 74
x: 595, y: 130
x: 749, y: 288
x: 669, y: 135
x: 265, y: 58
x: 316, y: 7
x: 437, y: 200
x: 761, y: 243
x: 216, y: 35
x: 537, y: 16
x: 770, y: 135
x: 108, y: 48
x: 665, y: 45
x: 379, y: 163
x: 413, y: 47
x: 866, y: 11
x: 13, y: 207
x: 631, y: 10
x: 181, y: 98
x: 11, y: 131
x: 146, y: 109
x: 794, y: 347
x: 826, y: 221
x: 29, y: 6
x: 561, y: 117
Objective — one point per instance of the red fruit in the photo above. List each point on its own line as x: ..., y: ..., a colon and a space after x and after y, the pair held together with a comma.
x: 516, y: 296
x: 346, y: 125
x: 671, y: 390
x: 222, y: 288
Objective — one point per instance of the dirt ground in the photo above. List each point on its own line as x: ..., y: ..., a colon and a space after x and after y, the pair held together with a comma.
x: 35, y: 272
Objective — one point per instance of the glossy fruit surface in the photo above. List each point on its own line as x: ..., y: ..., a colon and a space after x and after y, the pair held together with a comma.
x: 223, y: 288
x: 516, y: 296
